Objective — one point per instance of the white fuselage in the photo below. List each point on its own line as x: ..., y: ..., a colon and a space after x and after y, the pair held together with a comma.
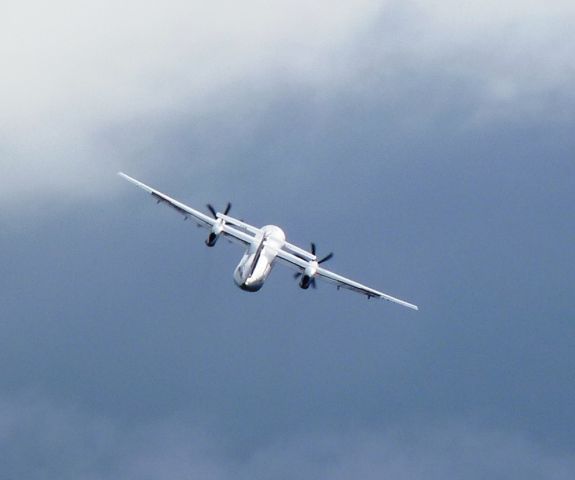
x: 257, y: 262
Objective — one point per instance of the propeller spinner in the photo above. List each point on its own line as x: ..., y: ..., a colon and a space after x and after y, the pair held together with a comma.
x: 306, y: 279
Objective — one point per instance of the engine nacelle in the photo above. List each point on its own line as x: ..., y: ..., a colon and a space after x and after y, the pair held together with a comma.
x: 308, y: 275
x: 305, y: 282
x: 212, y: 239
x: 215, y: 233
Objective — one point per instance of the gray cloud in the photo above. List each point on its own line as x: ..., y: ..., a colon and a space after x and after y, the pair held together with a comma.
x: 120, y: 306
x: 389, y: 145
x: 71, y: 445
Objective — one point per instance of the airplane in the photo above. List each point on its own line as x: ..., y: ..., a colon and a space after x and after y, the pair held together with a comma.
x: 264, y: 246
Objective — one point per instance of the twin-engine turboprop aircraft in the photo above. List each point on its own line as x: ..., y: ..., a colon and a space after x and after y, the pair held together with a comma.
x: 264, y: 246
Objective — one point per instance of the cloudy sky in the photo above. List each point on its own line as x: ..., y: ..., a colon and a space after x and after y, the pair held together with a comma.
x: 428, y: 144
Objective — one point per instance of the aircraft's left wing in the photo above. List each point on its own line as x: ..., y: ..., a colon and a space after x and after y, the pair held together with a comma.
x: 300, y: 264
x: 358, y: 287
x: 246, y: 237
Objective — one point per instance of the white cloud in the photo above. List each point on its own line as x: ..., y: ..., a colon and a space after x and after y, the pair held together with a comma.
x: 71, y: 69
x: 511, y: 60
x: 517, y: 52
x: 131, y: 57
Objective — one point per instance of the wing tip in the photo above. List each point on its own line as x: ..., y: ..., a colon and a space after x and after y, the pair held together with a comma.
x: 403, y: 303
x: 127, y: 177
x: 410, y: 305
x: 130, y: 179
x: 136, y: 182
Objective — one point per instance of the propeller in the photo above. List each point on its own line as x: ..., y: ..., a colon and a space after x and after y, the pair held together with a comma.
x: 324, y: 259
x: 213, y: 210
x: 218, y: 226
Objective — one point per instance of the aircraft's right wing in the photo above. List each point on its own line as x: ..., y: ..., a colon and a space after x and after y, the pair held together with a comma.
x: 247, y: 236
x: 201, y: 218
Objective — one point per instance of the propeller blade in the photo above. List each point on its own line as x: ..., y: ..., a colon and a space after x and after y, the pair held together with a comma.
x: 229, y: 206
x: 324, y: 259
x: 212, y: 210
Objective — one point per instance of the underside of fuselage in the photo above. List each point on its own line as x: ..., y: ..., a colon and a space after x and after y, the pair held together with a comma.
x: 250, y: 286
x: 251, y: 273
x: 256, y: 264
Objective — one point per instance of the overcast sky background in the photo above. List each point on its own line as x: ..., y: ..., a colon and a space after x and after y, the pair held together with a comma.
x: 428, y: 144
